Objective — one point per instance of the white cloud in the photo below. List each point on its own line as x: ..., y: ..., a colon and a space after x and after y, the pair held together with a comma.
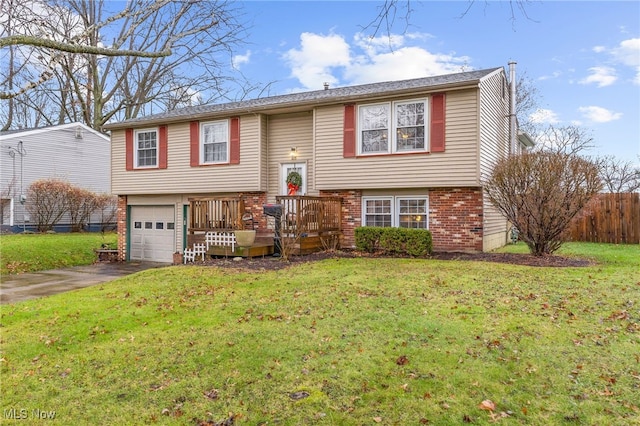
x: 628, y: 53
x: 599, y: 49
x: 331, y: 59
x: 318, y: 54
x: 239, y: 60
x: 602, y: 76
x: 544, y: 116
x: 551, y: 76
x: 599, y: 114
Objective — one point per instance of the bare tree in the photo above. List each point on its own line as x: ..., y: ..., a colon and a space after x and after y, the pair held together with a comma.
x: 619, y: 175
x: 390, y: 12
x: 47, y: 202
x: 527, y: 102
x: 540, y: 192
x: 569, y: 140
x: 94, y: 65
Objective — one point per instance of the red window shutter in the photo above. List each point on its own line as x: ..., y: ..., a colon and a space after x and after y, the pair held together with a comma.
x: 437, y: 122
x: 194, y: 143
x: 349, y: 141
x: 163, y: 148
x: 234, y: 141
x: 128, y: 142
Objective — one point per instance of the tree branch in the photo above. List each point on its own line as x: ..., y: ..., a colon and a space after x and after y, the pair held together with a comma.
x: 23, y: 40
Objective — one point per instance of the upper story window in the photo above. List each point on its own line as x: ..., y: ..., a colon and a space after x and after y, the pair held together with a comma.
x: 374, y: 128
x: 214, y: 142
x: 146, y: 151
x: 393, y: 127
x: 410, y: 126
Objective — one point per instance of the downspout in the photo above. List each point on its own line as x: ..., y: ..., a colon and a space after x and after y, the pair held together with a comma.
x: 513, y: 131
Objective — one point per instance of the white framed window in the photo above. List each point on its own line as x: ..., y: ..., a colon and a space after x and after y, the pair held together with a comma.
x: 410, y: 119
x: 146, y: 151
x: 412, y: 212
x: 399, y: 211
x: 393, y: 127
x: 214, y: 142
x: 377, y: 211
x: 374, y: 128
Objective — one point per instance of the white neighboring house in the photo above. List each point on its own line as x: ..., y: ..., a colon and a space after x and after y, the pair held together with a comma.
x: 71, y: 152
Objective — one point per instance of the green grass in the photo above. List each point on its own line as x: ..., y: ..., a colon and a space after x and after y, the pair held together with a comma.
x: 21, y: 253
x: 183, y: 344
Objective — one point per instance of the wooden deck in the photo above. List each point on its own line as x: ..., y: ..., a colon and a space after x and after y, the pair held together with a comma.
x: 263, y: 246
x: 307, y: 225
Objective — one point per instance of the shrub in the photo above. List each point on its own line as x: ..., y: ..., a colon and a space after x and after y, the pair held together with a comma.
x: 47, y: 202
x: 81, y: 203
x: 540, y: 193
x: 107, y: 206
x: 414, y: 242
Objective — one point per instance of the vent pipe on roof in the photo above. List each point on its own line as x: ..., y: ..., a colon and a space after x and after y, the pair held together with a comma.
x: 513, y: 124
x: 326, y: 86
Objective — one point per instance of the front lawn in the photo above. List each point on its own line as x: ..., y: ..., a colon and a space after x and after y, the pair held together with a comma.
x: 37, y: 252
x: 358, y: 341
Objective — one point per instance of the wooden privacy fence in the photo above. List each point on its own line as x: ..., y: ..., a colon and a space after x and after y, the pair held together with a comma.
x: 609, y: 218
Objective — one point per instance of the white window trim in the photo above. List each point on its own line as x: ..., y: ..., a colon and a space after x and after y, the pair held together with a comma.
x: 395, y: 207
x: 135, y: 149
x: 360, y: 129
x: 392, y: 130
x: 364, y: 207
x: 201, y: 142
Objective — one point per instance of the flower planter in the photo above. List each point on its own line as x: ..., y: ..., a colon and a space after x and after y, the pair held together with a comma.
x: 245, y: 238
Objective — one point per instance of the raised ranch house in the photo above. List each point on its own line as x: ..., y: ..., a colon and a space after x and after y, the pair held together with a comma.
x: 406, y: 153
x: 71, y: 152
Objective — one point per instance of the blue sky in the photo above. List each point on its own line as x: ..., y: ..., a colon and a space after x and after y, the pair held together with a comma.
x: 583, y: 57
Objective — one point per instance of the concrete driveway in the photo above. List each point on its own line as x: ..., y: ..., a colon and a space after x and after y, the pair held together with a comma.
x: 14, y: 288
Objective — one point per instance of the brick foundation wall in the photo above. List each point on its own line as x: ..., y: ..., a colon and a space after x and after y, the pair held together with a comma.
x: 455, y: 219
x: 121, y: 218
x: 351, y: 216
x: 254, y: 202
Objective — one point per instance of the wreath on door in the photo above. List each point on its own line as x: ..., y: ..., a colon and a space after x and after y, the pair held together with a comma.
x: 294, y: 182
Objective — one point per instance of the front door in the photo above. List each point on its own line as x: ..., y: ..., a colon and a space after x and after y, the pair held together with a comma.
x: 293, y: 167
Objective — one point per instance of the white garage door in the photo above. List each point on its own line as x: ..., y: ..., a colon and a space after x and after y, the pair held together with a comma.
x: 153, y: 233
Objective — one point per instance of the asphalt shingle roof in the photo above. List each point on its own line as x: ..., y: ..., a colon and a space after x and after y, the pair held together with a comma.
x: 339, y: 94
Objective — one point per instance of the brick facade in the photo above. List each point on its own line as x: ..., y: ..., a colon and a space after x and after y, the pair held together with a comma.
x: 121, y: 217
x: 351, y: 214
x: 254, y: 202
x: 455, y: 219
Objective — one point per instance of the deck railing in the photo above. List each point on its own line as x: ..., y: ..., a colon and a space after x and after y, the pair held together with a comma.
x: 217, y: 213
x: 311, y: 215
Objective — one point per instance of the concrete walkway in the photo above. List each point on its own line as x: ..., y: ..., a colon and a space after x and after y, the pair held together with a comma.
x: 14, y: 288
